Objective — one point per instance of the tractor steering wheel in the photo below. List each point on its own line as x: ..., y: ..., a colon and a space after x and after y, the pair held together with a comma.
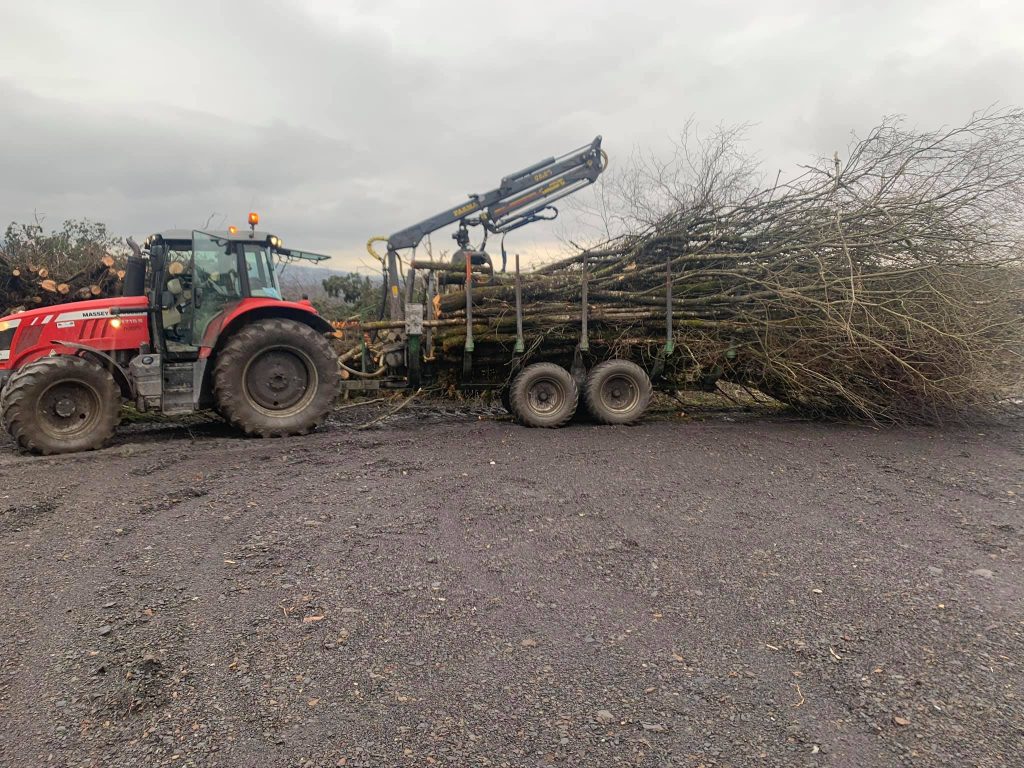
x: 212, y: 279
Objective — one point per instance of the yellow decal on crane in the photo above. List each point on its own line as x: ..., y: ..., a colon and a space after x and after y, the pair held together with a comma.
x: 463, y: 210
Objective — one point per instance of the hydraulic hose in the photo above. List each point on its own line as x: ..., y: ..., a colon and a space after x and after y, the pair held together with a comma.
x: 369, y: 247
x: 363, y: 374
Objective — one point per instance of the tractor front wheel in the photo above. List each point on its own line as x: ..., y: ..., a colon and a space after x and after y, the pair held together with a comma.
x: 61, y: 404
x: 276, y: 377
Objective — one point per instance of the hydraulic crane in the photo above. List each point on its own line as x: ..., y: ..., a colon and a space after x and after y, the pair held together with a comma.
x: 520, y: 199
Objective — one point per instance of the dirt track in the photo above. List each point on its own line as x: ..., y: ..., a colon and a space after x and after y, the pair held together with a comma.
x: 466, y: 592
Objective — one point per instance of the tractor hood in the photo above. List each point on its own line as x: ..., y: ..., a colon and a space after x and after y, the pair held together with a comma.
x: 104, y: 324
x: 99, y: 306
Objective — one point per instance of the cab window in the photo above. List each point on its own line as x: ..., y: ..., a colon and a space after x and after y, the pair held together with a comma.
x: 216, y: 282
x: 259, y: 267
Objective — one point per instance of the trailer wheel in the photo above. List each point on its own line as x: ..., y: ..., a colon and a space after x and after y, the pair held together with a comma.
x: 617, y: 392
x: 61, y: 404
x: 276, y: 377
x: 544, y: 395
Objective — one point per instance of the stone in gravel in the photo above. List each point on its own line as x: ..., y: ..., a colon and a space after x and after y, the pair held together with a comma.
x: 528, y: 642
x: 604, y: 717
x: 934, y: 571
x: 654, y: 727
x: 985, y: 573
x: 105, y: 630
x: 900, y: 720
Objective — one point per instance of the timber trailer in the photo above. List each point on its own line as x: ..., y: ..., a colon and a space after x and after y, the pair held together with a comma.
x: 540, y: 387
x: 201, y: 325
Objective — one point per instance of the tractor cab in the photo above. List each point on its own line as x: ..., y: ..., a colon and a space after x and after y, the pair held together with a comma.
x: 198, y: 278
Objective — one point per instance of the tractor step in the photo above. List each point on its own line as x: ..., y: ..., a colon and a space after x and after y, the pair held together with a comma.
x: 178, y: 389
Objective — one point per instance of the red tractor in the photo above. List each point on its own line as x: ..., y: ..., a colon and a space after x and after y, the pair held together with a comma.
x: 201, y: 325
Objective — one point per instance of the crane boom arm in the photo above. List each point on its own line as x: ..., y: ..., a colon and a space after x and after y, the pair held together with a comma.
x: 517, y: 199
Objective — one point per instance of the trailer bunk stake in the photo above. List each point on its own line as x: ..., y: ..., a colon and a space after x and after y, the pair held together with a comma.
x: 520, y: 343
x: 467, y: 354
x: 670, y: 344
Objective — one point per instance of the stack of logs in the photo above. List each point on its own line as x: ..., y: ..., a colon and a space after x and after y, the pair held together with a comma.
x: 26, y: 286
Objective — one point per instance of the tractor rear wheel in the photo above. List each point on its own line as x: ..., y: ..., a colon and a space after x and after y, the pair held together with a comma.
x: 61, y: 404
x: 617, y: 392
x: 544, y: 395
x: 276, y: 377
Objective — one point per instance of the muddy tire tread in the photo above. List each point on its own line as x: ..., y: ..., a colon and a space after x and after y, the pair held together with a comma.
x: 16, y: 411
x: 245, y: 344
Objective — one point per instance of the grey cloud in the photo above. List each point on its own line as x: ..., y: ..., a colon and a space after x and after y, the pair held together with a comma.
x: 345, y: 120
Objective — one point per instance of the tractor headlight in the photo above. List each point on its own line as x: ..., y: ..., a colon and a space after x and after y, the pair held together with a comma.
x: 7, y: 330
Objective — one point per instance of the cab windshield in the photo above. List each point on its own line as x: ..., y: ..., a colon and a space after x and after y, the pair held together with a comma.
x: 259, y: 266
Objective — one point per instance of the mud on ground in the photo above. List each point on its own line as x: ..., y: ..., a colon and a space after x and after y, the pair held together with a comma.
x: 453, y: 590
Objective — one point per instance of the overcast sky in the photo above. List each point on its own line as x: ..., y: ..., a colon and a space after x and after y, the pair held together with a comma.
x: 340, y: 120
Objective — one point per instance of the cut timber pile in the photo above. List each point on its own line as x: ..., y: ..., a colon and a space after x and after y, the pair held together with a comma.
x: 888, y: 288
x: 24, y: 286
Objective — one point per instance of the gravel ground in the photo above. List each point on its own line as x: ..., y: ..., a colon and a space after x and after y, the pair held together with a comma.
x: 460, y: 591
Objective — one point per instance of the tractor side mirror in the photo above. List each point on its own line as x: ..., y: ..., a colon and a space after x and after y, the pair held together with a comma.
x: 166, y: 300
